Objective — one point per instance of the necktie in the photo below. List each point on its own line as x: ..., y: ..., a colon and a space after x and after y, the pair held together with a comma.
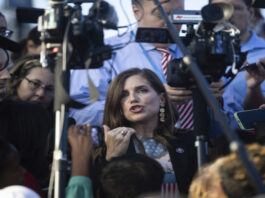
x: 185, y: 111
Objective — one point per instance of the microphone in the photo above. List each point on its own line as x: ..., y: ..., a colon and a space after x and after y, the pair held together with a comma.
x: 10, y: 45
x: 258, y: 3
x: 28, y: 15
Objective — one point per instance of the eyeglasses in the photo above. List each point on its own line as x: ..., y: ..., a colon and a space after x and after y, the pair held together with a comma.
x: 35, y: 85
x: 6, y: 33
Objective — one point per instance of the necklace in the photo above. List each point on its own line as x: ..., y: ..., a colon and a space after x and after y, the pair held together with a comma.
x: 153, y: 148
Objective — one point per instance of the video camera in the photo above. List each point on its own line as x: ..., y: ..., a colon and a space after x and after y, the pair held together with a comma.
x: 214, y: 44
x: 64, y: 24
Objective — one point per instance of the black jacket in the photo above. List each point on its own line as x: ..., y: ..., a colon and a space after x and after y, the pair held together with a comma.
x: 182, y: 152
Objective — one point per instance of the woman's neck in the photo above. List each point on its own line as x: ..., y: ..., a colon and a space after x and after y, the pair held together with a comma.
x: 145, y: 129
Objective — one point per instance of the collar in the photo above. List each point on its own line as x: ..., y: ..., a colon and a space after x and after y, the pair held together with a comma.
x: 253, y: 43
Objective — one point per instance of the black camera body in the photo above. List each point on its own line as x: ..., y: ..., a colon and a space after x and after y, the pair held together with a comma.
x: 64, y: 22
x: 212, y: 51
x: 214, y: 45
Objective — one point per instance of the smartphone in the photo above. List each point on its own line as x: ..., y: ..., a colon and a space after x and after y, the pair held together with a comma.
x: 247, y: 119
x: 97, y: 134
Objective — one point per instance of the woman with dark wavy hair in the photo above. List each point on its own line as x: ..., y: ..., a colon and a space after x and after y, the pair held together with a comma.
x: 139, y: 118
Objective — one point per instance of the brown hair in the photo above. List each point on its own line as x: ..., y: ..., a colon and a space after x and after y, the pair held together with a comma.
x: 113, y: 116
x: 19, y: 71
x: 227, y: 177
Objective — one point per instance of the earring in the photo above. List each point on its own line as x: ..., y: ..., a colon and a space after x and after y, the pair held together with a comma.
x: 162, y: 113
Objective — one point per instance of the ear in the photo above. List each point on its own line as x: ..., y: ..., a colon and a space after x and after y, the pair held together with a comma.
x: 162, y: 99
x: 137, y: 11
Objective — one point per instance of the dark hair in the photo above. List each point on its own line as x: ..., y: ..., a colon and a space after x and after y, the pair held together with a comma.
x: 5, y: 150
x: 112, y: 112
x: 131, y: 175
x: 20, y: 70
x: 234, y: 179
x: 26, y: 126
x: 34, y: 36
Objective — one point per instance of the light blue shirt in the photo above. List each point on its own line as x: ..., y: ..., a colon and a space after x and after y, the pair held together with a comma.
x: 235, y: 92
x: 130, y: 56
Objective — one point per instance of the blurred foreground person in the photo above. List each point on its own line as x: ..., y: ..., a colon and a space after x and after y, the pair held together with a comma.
x: 227, y: 178
x: 26, y: 126
x: 18, y: 192
x: 139, y: 118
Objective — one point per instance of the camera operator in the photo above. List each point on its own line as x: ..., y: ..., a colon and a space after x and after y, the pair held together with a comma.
x: 140, y: 55
x: 250, y: 43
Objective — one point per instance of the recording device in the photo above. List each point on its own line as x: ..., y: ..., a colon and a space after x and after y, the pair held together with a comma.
x: 97, y: 134
x: 153, y: 35
x: 214, y: 45
x: 83, y: 34
x: 247, y: 119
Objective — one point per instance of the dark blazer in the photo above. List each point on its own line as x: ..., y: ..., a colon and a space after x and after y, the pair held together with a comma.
x: 182, y: 152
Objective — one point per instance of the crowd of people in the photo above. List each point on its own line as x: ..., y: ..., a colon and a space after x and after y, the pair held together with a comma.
x: 145, y: 144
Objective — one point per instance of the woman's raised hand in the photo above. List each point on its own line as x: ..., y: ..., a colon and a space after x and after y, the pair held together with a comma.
x: 117, y: 140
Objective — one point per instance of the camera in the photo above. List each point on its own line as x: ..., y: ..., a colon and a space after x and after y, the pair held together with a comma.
x: 214, y: 44
x: 64, y: 26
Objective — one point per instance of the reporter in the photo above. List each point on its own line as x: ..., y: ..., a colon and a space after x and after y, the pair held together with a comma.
x: 139, y: 118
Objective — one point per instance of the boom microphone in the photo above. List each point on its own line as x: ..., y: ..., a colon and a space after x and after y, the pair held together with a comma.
x: 258, y: 3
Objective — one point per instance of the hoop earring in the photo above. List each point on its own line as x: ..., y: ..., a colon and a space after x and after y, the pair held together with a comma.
x: 162, y: 111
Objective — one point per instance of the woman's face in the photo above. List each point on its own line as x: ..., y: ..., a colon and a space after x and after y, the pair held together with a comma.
x: 140, y: 102
x: 37, y: 86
